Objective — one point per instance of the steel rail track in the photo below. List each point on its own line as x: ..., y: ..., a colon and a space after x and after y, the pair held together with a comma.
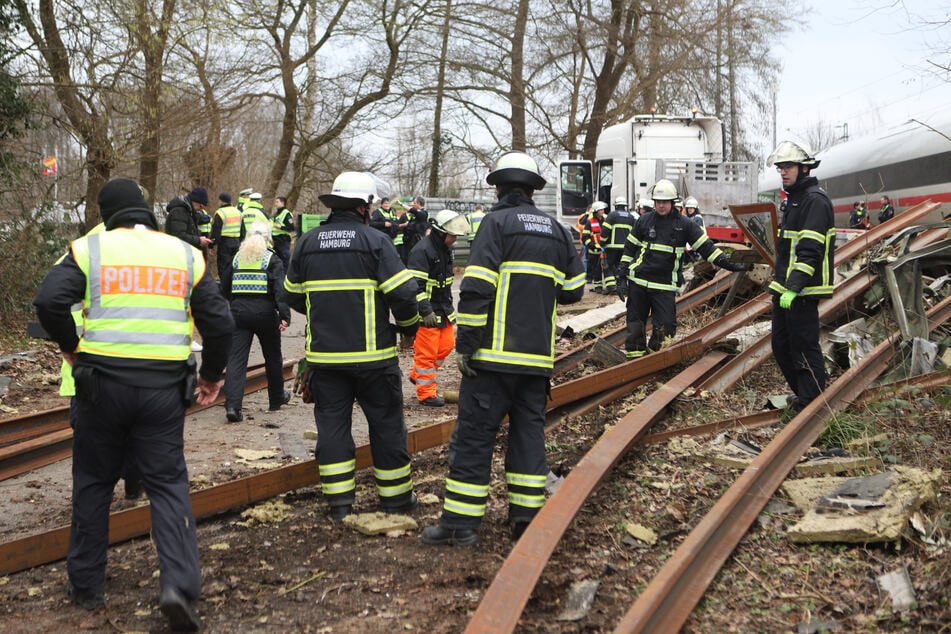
x: 503, y: 602
x: 44, y: 438
x: 667, y: 601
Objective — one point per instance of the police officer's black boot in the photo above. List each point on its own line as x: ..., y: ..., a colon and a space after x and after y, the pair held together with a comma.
x: 179, y: 611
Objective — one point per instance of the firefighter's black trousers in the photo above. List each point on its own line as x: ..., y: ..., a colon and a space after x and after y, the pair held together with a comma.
x: 795, y: 344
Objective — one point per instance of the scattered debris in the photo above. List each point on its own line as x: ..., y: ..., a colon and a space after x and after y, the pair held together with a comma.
x: 552, y: 482
x: 580, y: 597
x: 924, y: 353
x: 293, y: 447
x: 848, y: 509
x: 429, y: 498
x: 255, y: 454
x: 641, y: 533
x: 897, y: 584
x: 851, y: 342
x: 815, y: 626
x: 379, y: 523
x: 272, y: 511
x: 220, y: 546
x: 605, y: 354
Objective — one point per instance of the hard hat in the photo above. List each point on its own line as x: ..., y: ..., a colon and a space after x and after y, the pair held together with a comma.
x: 349, y: 190
x: 663, y: 190
x: 451, y: 222
x: 691, y: 202
x: 790, y: 152
x: 600, y: 204
x: 517, y: 168
x: 255, y: 196
x: 646, y: 203
x: 620, y: 200
x: 245, y: 192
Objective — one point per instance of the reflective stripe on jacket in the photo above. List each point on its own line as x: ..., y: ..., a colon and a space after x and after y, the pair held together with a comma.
x: 250, y: 279
x: 230, y: 221
x: 805, y: 242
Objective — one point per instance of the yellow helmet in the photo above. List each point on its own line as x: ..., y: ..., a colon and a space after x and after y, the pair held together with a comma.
x: 790, y: 152
x: 663, y: 190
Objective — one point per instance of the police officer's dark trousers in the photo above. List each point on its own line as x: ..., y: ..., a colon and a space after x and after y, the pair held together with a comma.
x: 795, y: 343
x: 226, y: 248
x: 264, y: 325
x: 662, y: 308
x: 148, y: 423
x: 282, y: 247
x: 379, y: 393
x: 484, y: 400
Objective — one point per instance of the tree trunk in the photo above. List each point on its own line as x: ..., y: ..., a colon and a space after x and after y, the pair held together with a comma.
x: 436, y: 158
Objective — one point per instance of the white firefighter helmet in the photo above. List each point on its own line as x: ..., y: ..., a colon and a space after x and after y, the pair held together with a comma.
x: 620, y: 201
x: 664, y: 190
x: 349, y: 190
x: 793, y: 152
x: 518, y: 168
x: 451, y: 222
x: 598, y: 204
x: 690, y: 201
x: 645, y: 203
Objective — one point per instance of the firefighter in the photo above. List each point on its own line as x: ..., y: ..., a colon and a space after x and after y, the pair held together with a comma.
x: 803, y: 272
x: 226, y: 233
x: 591, y: 238
x: 253, y: 211
x: 255, y: 288
x: 692, y: 210
x: 522, y: 264
x: 134, y: 376
x: 650, y: 272
x: 620, y: 202
x: 347, y: 278
x: 430, y: 262
x: 644, y: 205
x: 616, y: 226
x: 282, y: 226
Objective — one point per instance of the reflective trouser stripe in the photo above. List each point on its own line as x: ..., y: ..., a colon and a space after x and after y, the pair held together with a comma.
x: 338, y: 478
x: 393, y: 482
x: 431, y: 347
x: 526, y: 489
x: 465, y: 498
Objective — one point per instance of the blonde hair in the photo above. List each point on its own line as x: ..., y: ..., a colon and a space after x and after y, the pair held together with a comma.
x: 255, y: 243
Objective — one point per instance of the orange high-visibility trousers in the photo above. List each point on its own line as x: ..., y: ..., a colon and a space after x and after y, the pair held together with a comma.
x: 430, y: 349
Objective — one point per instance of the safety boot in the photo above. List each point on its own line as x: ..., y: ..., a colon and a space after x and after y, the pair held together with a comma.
x: 285, y: 399
x: 337, y: 513
x: 433, y: 401
x: 233, y: 415
x: 439, y: 536
x: 635, y: 354
x: 181, y: 616
x: 83, y: 598
x: 405, y: 507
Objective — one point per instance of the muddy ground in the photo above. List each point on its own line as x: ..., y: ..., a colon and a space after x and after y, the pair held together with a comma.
x: 297, y: 571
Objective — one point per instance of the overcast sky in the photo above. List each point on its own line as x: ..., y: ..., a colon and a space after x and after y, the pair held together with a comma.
x: 864, y: 64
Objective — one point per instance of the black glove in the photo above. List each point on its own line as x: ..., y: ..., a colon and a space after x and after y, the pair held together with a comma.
x: 431, y: 320
x: 725, y: 263
x: 622, y: 287
x: 463, y: 360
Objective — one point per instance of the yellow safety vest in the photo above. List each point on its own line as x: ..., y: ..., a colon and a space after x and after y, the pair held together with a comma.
x: 230, y: 221
x: 138, y: 288
x: 277, y: 224
x: 252, y: 211
x: 250, y: 279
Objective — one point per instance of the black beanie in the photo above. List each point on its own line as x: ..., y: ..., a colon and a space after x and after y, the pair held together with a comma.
x: 225, y: 197
x: 121, y: 194
x: 199, y: 195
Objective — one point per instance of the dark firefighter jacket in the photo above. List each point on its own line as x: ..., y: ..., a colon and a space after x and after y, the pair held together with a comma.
x: 653, y: 254
x: 521, y: 264
x: 430, y: 262
x: 805, y: 242
x: 347, y: 277
x: 616, y: 227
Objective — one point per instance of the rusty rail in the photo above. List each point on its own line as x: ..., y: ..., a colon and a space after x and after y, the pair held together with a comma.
x: 36, y: 440
x: 666, y: 603
x: 503, y: 602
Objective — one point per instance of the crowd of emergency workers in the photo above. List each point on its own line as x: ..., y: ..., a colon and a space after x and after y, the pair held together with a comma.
x: 370, y: 277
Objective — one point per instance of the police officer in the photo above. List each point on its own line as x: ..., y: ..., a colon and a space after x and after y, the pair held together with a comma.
x: 591, y: 239
x: 475, y: 219
x: 858, y: 218
x: 430, y: 262
x: 143, y: 292
x: 255, y: 287
x: 253, y: 211
x: 803, y: 272
x: 226, y: 233
x: 386, y: 219
x: 282, y: 226
x: 522, y: 264
x: 614, y: 231
x: 243, y: 197
x: 347, y: 278
x: 650, y: 271
x: 887, y: 211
